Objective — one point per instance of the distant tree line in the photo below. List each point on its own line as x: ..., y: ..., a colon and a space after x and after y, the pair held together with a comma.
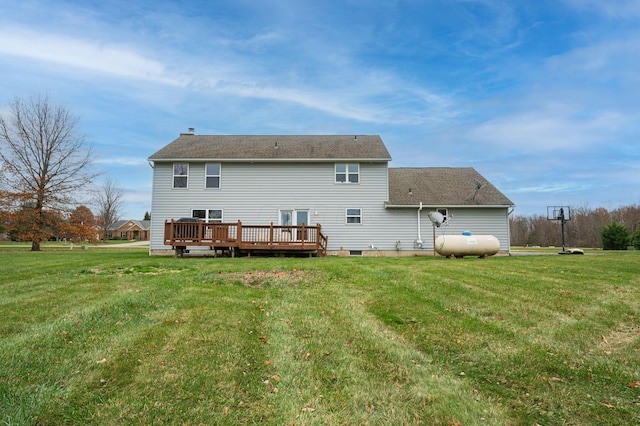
x: 587, y: 227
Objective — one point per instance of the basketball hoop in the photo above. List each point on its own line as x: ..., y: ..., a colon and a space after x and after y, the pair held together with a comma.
x: 562, y: 214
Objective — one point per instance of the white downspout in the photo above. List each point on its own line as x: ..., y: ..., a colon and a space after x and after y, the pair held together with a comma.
x: 419, y: 240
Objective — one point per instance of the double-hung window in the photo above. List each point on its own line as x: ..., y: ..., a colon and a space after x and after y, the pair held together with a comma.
x: 180, y: 175
x: 347, y: 173
x: 354, y: 215
x: 212, y: 175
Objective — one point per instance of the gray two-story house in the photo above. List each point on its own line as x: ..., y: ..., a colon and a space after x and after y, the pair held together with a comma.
x: 343, y: 183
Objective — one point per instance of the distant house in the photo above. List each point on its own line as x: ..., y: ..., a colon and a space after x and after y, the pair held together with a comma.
x: 130, y: 230
x: 343, y: 183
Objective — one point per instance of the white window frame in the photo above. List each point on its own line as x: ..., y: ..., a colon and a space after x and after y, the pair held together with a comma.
x: 186, y: 176
x: 347, y: 173
x: 444, y: 212
x: 353, y: 215
x: 208, y: 215
x: 294, y: 216
x: 207, y: 176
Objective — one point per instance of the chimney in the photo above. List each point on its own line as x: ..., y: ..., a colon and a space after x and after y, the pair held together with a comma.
x: 190, y: 132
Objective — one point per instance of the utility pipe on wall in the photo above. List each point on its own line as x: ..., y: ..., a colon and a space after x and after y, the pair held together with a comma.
x: 419, y: 240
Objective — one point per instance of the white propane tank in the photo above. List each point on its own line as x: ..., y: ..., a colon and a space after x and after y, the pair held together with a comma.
x: 467, y: 245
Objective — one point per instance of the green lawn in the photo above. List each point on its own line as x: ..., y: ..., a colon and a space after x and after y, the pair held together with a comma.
x: 117, y: 337
x: 59, y: 245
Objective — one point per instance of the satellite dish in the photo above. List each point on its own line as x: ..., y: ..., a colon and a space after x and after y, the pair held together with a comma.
x: 436, y: 218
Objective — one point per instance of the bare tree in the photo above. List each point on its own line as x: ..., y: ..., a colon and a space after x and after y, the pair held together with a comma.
x: 583, y: 230
x: 46, y: 163
x: 109, y: 200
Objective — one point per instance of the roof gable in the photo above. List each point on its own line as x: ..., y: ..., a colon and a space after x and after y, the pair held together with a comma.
x: 442, y: 186
x: 274, y: 148
x: 143, y: 225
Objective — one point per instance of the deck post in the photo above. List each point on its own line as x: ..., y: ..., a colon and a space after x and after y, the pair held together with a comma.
x: 271, y: 234
x: 171, y: 232
x: 239, y: 233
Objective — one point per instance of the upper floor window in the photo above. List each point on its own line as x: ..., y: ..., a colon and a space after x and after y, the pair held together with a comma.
x: 354, y: 215
x: 180, y: 175
x: 347, y: 172
x: 212, y: 175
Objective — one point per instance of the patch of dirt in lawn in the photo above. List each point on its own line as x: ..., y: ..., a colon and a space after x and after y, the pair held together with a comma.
x: 130, y: 271
x: 275, y: 278
x: 622, y: 336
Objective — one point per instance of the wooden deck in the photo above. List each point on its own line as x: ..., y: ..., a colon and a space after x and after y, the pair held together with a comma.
x: 237, y: 238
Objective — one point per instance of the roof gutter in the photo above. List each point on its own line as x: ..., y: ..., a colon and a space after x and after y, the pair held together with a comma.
x: 273, y: 160
x: 457, y: 206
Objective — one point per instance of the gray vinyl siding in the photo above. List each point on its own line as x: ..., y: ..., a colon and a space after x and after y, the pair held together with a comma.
x: 481, y: 221
x: 255, y: 193
x: 477, y: 220
x: 401, y: 225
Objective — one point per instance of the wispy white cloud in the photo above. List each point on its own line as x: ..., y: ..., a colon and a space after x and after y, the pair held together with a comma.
x: 121, y: 161
x: 538, y: 131
x: 618, y: 9
x: 552, y: 187
x: 365, y: 95
x: 490, y: 27
x: 613, y: 58
x: 84, y: 54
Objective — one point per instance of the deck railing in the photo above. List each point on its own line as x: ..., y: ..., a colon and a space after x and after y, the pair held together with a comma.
x: 235, y: 235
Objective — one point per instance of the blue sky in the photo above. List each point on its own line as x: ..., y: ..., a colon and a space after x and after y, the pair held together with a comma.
x: 541, y: 97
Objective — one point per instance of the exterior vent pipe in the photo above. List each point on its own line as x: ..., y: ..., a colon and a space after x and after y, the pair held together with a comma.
x: 419, y: 240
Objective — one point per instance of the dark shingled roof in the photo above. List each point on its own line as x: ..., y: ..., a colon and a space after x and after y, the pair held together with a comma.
x: 142, y: 224
x: 278, y: 148
x: 442, y: 186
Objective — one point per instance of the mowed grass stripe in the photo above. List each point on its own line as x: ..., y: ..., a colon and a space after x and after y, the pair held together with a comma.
x: 63, y: 351
x: 544, y: 352
x: 342, y: 364
x: 182, y: 355
x: 119, y: 337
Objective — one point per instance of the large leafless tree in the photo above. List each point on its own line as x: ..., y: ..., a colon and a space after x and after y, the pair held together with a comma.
x: 46, y: 162
x: 109, y: 201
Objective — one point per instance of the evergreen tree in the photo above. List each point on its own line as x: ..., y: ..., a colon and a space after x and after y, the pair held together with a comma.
x: 635, y: 239
x: 615, y: 236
